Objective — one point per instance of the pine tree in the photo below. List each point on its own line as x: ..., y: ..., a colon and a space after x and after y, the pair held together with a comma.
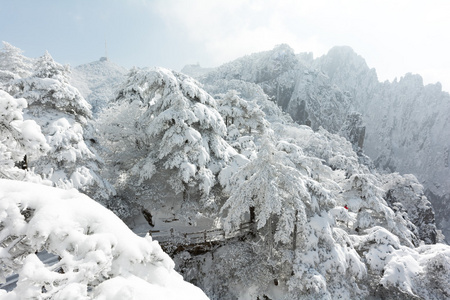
x: 49, y: 88
x: 178, y: 133
x: 62, y: 113
x: 13, y: 65
x: 245, y: 115
x: 20, y: 139
x: 274, y: 190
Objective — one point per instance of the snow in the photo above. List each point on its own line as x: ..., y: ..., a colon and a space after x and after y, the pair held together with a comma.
x: 215, y: 156
x: 96, y: 249
x: 412, y: 270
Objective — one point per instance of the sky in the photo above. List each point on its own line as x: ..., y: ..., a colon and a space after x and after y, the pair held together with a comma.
x: 394, y: 37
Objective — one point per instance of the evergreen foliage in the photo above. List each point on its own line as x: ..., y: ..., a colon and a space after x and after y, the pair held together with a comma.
x: 19, y: 138
x: 13, y: 65
x: 177, y: 131
x: 62, y: 113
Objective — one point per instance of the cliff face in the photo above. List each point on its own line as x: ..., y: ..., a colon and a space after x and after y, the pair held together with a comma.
x: 305, y: 93
x: 404, y: 126
x: 407, y: 123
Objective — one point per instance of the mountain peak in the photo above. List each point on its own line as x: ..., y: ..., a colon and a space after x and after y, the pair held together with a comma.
x: 98, y: 80
x: 340, y: 57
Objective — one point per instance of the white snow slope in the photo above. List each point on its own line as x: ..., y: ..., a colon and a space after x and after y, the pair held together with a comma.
x: 100, y: 258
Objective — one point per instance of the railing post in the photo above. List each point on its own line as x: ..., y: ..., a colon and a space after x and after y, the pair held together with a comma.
x: 294, y: 237
x: 204, y: 235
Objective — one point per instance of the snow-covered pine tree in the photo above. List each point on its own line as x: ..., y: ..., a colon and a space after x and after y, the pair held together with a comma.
x: 49, y: 88
x: 19, y: 138
x: 295, y: 248
x: 245, y: 115
x: 62, y: 113
x: 178, y: 134
x: 13, y: 65
x: 270, y: 193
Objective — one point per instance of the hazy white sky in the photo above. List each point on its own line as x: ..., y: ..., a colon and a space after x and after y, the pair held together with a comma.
x: 395, y: 37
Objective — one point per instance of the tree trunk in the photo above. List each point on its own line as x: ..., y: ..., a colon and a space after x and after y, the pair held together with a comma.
x: 252, y: 220
x: 185, y: 192
x: 294, y: 238
x: 148, y: 217
x: 252, y: 214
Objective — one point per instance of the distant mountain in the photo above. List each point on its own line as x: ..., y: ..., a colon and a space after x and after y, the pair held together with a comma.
x: 97, y: 81
x: 195, y: 70
x: 405, y: 125
x: 306, y: 94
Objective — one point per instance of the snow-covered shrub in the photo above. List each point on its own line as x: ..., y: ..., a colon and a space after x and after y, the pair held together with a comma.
x: 406, y: 194
x: 423, y: 272
x: 98, y: 257
x: 365, y: 196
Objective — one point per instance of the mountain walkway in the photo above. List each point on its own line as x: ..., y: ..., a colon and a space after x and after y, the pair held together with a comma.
x: 198, y: 242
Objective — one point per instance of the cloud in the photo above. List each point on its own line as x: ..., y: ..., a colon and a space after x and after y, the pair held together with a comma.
x: 395, y: 37
x: 228, y: 29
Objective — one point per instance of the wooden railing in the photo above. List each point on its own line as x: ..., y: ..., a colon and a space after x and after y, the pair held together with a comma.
x: 199, y: 237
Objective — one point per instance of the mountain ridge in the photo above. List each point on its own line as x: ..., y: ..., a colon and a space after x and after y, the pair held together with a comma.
x: 407, y: 123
